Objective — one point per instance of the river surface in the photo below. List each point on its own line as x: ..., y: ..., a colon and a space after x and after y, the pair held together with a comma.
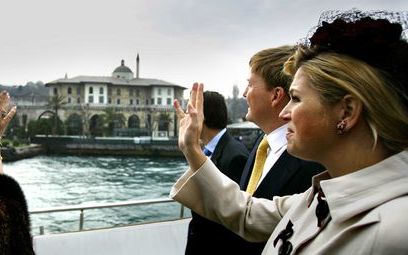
x: 53, y: 181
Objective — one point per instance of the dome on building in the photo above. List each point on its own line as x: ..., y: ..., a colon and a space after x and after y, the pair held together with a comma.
x: 122, y: 68
x: 123, y: 72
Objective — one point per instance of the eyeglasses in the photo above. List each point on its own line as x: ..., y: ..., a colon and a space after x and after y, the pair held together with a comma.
x: 284, y: 235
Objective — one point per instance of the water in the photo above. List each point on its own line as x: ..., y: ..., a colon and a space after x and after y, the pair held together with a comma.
x: 52, y: 181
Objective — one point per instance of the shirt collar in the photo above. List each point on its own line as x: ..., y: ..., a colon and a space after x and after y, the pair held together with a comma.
x: 277, y: 138
x: 360, y: 191
x: 213, y: 143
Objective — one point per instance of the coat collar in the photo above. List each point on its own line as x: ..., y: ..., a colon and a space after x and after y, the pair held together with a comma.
x: 354, y: 193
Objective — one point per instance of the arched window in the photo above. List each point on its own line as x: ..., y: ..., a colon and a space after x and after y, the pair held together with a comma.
x: 74, y: 124
x: 134, y: 121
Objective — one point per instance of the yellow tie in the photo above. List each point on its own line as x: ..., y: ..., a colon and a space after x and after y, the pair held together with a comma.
x: 260, y: 158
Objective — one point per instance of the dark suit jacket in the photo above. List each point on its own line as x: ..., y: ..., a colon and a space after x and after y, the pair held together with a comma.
x: 289, y: 175
x: 208, y: 237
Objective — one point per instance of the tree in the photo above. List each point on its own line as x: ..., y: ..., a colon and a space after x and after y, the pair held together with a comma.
x: 55, y: 103
x: 112, y: 120
x: 86, y: 117
x: 39, y: 127
x: 164, y: 121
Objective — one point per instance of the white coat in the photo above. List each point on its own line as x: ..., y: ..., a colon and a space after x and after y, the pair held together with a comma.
x: 368, y: 209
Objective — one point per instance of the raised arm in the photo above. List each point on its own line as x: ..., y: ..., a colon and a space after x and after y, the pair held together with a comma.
x: 6, y: 114
x: 190, y: 126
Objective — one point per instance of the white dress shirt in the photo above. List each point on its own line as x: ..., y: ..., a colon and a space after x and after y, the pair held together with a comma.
x: 211, y: 145
x: 277, y: 145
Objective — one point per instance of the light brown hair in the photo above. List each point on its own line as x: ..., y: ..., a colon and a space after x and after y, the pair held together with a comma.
x: 269, y: 63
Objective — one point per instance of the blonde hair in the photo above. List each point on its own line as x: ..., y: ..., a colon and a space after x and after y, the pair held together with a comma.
x: 269, y: 63
x: 334, y: 75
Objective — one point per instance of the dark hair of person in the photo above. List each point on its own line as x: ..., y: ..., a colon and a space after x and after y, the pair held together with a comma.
x: 215, y: 110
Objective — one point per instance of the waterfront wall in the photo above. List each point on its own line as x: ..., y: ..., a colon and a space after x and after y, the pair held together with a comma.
x: 126, y: 146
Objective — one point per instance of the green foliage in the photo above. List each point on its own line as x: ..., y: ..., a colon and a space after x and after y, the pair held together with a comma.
x: 56, y: 102
x: 74, y: 125
x: 111, y: 120
x: 40, y: 127
x: 5, y: 143
x: 164, y: 121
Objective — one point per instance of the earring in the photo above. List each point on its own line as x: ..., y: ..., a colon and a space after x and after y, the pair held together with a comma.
x: 341, y: 127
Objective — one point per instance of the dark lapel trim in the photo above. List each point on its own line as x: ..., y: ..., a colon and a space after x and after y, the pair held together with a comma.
x: 219, y: 148
x: 278, y: 176
x: 246, y: 173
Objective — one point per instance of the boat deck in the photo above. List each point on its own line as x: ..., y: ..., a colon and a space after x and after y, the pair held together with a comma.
x: 167, y: 238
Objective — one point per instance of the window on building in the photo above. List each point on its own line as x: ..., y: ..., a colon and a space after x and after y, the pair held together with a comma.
x: 101, y: 99
x: 131, y: 101
x: 159, y: 91
x: 69, y: 90
x: 151, y: 100
x: 101, y: 90
x: 69, y: 100
x: 137, y: 101
x: 78, y: 91
x: 55, y: 91
x: 147, y: 101
x: 109, y: 100
x: 118, y: 101
x: 137, y: 92
x: 159, y: 101
x: 118, y: 92
x: 78, y: 100
x: 168, y: 91
x: 90, y: 90
x: 168, y: 101
x: 90, y: 99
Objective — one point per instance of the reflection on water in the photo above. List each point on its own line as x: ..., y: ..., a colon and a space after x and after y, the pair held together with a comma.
x: 50, y: 181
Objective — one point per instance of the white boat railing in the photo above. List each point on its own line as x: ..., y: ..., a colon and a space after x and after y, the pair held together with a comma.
x: 82, y: 208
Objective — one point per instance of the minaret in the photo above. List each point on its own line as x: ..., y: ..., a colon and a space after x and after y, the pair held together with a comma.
x: 137, y: 66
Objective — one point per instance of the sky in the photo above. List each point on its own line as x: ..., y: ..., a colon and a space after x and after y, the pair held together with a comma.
x: 179, y: 41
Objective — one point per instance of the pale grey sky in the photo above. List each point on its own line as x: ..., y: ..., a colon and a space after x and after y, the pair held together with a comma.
x: 180, y: 41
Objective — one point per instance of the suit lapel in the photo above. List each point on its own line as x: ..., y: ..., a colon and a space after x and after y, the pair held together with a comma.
x: 219, y: 148
x: 278, y: 176
x: 246, y: 173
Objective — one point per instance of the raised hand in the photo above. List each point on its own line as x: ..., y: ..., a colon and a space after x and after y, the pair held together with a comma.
x: 190, y: 126
x: 6, y: 114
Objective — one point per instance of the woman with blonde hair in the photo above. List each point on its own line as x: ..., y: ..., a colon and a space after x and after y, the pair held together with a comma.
x: 349, y: 112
